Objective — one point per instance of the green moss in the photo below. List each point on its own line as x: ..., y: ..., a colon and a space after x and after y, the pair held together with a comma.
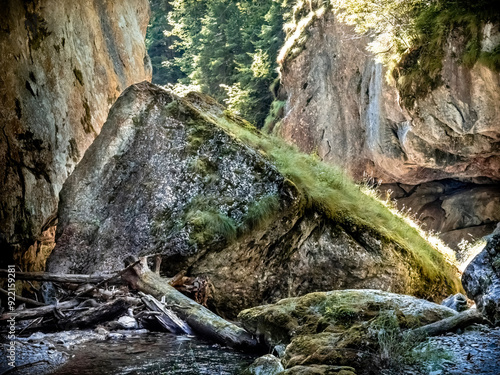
x: 276, y: 113
x: 261, y: 212
x: 209, y: 225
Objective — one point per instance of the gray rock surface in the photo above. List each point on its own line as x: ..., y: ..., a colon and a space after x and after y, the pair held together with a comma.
x: 62, y: 65
x: 457, y: 302
x: 167, y: 176
x: 481, y: 279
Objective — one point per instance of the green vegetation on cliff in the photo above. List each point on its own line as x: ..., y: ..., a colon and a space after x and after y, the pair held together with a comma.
x: 409, y: 37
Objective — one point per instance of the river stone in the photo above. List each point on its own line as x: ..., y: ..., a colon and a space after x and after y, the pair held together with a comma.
x: 265, y: 365
x: 337, y: 328
x: 481, y: 279
x: 168, y: 175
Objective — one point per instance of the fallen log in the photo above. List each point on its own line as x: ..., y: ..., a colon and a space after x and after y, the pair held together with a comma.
x: 199, y: 318
x: 95, y: 315
x: 55, y: 277
x: 39, y: 311
x: 461, y: 320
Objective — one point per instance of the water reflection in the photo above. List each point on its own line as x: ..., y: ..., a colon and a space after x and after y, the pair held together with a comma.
x: 154, y: 354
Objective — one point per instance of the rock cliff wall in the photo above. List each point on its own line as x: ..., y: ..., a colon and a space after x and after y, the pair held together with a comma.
x: 341, y: 105
x: 62, y: 65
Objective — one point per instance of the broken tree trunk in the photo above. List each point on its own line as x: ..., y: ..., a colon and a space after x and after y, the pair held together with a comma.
x: 452, y: 323
x: 59, y: 278
x: 199, y: 318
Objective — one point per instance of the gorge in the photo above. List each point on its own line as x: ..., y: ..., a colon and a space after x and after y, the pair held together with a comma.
x: 289, y: 226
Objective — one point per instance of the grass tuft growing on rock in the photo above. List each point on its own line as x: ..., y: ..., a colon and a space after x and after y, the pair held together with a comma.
x: 329, y: 190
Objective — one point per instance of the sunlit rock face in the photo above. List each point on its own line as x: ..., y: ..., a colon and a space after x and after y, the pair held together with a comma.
x: 342, y: 107
x: 170, y: 176
x: 62, y: 65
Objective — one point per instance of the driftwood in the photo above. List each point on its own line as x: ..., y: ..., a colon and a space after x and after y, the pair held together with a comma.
x: 461, y: 320
x: 39, y: 311
x: 93, y: 316
x: 28, y: 301
x: 199, y: 318
x: 166, y: 318
x: 59, y: 278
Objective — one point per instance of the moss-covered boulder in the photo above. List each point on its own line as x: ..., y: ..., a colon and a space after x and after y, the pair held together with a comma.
x: 185, y: 178
x: 365, y: 329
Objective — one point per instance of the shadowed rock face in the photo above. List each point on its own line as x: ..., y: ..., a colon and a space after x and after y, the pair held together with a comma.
x: 341, y: 106
x: 166, y: 175
x: 62, y: 65
x: 481, y: 279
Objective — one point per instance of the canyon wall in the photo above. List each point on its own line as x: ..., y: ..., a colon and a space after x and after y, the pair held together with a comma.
x: 342, y: 106
x: 62, y: 65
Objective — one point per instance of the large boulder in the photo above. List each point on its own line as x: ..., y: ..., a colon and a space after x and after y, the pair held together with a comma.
x: 341, y: 328
x: 62, y: 65
x: 342, y: 105
x: 177, y: 176
x: 481, y: 279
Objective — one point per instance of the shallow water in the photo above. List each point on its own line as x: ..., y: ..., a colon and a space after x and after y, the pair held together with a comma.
x: 156, y: 354
x: 124, y: 354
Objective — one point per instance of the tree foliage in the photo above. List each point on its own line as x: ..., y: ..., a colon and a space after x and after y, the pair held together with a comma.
x: 227, y: 48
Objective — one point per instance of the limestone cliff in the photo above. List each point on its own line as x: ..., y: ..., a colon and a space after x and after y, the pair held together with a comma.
x: 342, y: 106
x: 62, y: 65
x: 187, y: 179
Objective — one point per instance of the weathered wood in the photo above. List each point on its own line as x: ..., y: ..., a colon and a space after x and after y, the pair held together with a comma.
x: 39, y: 311
x: 110, y: 278
x: 157, y: 264
x: 59, y: 278
x: 95, y: 315
x: 199, y: 318
x: 24, y: 299
x: 461, y: 320
x: 167, y: 318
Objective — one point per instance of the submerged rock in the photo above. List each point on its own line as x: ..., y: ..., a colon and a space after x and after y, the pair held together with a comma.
x: 481, y: 279
x: 177, y: 176
x: 341, y: 328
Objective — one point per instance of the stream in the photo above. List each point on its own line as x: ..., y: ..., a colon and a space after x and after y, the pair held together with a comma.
x: 125, y: 353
